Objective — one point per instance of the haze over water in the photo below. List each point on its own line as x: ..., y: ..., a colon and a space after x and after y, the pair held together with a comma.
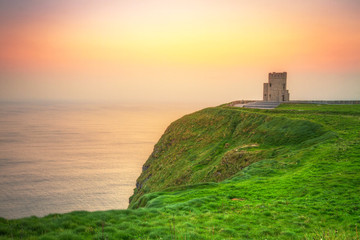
x: 56, y: 158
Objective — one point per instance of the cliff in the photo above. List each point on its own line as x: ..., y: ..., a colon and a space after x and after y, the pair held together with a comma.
x: 215, y: 144
x: 233, y: 173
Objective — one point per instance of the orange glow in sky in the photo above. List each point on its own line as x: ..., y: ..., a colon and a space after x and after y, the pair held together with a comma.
x: 193, y: 51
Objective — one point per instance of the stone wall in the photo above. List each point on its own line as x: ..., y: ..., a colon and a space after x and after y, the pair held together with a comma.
x: 335, y: 102
x: 343, y: 102
x: 241, y: 102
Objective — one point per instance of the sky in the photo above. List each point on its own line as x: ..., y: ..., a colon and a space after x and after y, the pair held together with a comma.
x: 179, y: 51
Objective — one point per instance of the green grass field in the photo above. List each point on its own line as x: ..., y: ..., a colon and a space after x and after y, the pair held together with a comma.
x: 233, y: 173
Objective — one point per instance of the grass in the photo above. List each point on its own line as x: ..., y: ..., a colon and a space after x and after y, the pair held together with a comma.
x: 232, y: 173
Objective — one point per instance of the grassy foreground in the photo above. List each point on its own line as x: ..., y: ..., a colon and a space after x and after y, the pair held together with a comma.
x: 232, y: 173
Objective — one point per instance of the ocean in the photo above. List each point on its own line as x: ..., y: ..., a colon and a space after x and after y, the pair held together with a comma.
x: 58, y: 158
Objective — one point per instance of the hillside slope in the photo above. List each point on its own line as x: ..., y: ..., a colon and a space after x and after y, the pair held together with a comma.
x: 232, y: 173
x: 215, y: 143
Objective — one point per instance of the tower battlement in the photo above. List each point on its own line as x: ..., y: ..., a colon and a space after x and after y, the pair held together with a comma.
x: 275, y: 75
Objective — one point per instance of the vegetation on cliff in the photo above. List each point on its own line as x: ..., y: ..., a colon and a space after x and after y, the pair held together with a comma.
x: 233, y: 173
x: 216, y: 143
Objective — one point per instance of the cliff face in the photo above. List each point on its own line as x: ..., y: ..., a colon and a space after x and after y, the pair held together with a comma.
x: 215, y: 144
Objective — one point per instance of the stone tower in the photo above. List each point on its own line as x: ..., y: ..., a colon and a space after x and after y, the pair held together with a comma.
x: 275, y: 90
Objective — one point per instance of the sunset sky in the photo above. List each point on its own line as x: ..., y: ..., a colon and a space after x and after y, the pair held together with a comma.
x: 181, y: 51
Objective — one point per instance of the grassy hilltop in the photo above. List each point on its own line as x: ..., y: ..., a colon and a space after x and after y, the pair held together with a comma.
x: 233, y: 173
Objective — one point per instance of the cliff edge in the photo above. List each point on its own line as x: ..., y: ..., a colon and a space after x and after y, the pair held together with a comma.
x: 217, y: 143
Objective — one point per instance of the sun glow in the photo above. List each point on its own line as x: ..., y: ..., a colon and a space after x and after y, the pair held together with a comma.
x: 118, y: 38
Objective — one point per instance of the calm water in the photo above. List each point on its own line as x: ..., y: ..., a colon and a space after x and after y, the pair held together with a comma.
x: 56, y: 158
